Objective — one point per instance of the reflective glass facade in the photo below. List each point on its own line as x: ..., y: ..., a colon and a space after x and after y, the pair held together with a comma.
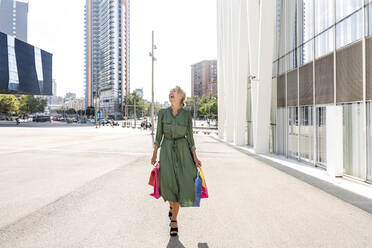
x: 24, y: 69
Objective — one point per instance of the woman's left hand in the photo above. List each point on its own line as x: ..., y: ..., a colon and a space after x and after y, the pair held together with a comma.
x: 198, y: 163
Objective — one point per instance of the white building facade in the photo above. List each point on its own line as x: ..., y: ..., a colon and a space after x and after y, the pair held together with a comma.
x: 295, y: 79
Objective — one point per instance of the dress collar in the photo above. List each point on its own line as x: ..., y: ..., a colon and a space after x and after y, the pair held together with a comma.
x: 170, y: 109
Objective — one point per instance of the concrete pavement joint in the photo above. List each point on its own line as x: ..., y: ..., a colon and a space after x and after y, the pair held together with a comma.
x: 343, y: 194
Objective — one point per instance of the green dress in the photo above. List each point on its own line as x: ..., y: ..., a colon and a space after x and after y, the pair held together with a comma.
x: 177, y: 168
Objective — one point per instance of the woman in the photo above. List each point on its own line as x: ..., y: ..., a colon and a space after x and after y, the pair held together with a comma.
x: 178, y: 160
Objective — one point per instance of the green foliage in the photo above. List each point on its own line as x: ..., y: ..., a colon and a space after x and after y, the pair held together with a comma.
x: 141, y: 106
x: 31, y: 104
x: 206, y: 105
x: 70, y: 111
x: 90, y: 111
x: 9, y: 104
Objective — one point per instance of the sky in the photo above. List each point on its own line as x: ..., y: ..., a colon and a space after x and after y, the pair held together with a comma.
x: 185, y: 33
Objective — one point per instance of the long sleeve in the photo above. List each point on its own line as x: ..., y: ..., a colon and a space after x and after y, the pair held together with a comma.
x: 189, y: 133
x: 159, y: 129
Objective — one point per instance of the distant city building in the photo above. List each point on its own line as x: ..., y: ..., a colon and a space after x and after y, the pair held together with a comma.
x: 166, y: 104
x: 54, y: 88
x: 75, y: 103
x: 70, y: 95
x: 24, y: 69
x: 55, y: 100
x: 204, y: 78
x: 13, y: 18
x: 107, y: 56
x: 139, y: 92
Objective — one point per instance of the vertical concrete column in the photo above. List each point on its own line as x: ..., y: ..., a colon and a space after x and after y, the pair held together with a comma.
x: 228, y: 33
x: 220, y: 70
x: 334, y: 138
x: 262, y: 87
x: 240, y: 105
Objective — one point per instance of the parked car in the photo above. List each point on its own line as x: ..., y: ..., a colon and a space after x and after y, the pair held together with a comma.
x: 41, y: 118
x: 103, y: 121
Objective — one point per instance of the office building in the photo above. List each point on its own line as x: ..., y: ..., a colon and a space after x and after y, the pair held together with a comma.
x: 24, y: 69
x: 13, y: 18
x: 204, y: 78
x: 107, y: 55
x: 299, y: 76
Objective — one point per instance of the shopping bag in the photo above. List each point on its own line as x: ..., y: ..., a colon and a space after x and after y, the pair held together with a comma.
x: 204, y: 190
x: 154, y: 181
x: 198, y: 187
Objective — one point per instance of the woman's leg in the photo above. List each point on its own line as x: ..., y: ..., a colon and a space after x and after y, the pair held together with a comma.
x: 170, y: 208
x: 175, y: 209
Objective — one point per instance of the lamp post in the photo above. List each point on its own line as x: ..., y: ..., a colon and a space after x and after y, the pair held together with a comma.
x: 152, y: 55
x: 97, y: 99
x: 195, y: 98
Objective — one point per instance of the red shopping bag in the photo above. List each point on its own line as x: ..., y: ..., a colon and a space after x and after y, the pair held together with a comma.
x: 154, y: 181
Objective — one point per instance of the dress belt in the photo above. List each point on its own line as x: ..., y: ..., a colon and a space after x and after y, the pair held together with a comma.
x: 174, y: 149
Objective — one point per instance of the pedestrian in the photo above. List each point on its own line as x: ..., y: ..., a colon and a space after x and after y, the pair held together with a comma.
x: 178, y: 160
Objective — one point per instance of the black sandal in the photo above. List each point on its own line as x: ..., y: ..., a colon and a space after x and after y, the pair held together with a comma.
x: 173, y: 230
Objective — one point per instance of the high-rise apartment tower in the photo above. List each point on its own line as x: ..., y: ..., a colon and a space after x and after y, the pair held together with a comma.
x: 13, y: 18
x: 107, y: 55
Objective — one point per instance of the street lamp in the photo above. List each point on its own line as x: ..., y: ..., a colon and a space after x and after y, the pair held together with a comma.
x: 152, y: 55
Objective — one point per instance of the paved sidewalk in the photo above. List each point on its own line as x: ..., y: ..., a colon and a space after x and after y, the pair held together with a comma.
x: 94, y: 193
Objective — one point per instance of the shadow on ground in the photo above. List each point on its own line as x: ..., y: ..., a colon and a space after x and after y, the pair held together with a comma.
x: 174, y: 242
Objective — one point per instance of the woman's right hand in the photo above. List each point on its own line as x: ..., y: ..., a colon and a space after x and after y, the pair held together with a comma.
x: 154, y: 157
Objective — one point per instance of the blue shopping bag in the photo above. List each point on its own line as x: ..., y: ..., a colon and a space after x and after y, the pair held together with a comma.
x: 198, y: 188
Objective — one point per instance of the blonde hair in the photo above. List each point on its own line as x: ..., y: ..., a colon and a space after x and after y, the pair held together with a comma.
x: 180, y: 91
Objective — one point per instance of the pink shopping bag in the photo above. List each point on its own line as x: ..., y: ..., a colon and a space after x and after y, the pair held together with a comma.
x: 154, y: 181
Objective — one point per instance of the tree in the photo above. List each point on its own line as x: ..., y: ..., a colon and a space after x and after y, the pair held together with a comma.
x: 90, y: 111
x: 9, y: 104
x: 70, y: 111
x: 209, y: 105
x: 31, y: 104
x: 140, y: 104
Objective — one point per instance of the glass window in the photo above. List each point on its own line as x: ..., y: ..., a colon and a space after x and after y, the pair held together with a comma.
x: 321, y: 137
x: 281, y: 67
x: 346, y: 7
x: 369, y: 140
x: 349, y: 30
x: 12, y: 63
x: 354, y: 141
x: 369, y: 19
x: 292, y: 131
x: 281, y: 133
x: 275, y: 68
x: 291, y: 60
x: 306, y: 52
x: 281, y: 27
x: 291, y: 24
x: 306, y: 133
x: 324, y: 43
x: 306, y: 20
x: 324, y: 15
